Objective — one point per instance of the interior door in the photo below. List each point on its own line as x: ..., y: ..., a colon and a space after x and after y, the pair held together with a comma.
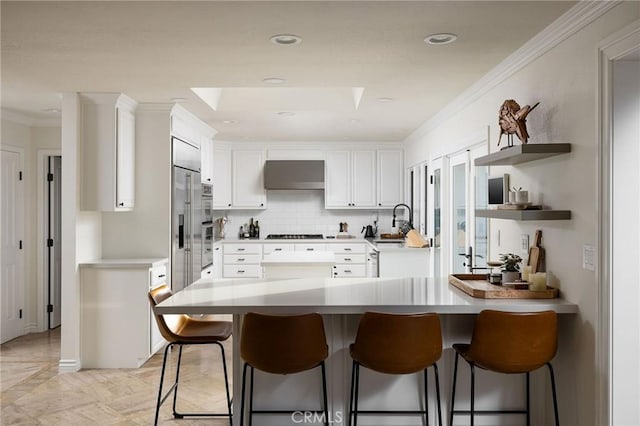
x: 435, y: 216
x: 12, y: 264
x: 459, y: 208
x: 54, y: 207
x: 480, y: 200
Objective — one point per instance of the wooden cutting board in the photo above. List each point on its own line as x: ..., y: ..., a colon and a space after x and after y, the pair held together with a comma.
x: 476, y: 285
x: 536, y: 254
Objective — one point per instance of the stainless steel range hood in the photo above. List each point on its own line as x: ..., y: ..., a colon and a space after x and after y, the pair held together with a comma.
x: 294, y: 174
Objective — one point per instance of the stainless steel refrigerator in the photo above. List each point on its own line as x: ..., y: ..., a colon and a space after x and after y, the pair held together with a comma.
x: 186, y: 227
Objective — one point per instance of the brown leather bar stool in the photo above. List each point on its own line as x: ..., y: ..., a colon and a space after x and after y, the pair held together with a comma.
x: 509, y: 343
x: 282, y: 345
x: 396, y: 344
x: 184, y: 330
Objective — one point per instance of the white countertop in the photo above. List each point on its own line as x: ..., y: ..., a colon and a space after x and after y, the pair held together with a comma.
x: 341, y: 296
x: 299, y: 258
x: 150, y: 262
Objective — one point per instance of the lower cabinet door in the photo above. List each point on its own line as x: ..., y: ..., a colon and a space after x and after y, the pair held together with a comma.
x: 349, y: 271
x: 242, y: 271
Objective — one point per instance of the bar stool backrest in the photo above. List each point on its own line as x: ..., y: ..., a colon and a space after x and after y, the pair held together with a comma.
x: 169, y: 325
x: 398, y: 344
x: 283, y: 344
x: 511, y: 342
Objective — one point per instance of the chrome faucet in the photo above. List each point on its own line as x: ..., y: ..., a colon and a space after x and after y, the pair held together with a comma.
x: 393, y: 222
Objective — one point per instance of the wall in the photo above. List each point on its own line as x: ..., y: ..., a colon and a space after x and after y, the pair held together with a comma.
x: 564, y: 80
x: 626, y: 242
x: 21, y: 132
x: 303, y: 212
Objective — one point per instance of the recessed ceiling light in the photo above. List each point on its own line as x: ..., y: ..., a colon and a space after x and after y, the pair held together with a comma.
x: 274, y: 80
x: 440, y: 38
x: 286, y: 113
x: 384, y: 99
x: 51, y: 110
x: 286, y: 39
x: 178, y: 100
x: 230, y: 121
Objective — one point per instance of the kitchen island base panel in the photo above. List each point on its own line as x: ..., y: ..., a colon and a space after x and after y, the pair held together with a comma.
x: 382, y: 391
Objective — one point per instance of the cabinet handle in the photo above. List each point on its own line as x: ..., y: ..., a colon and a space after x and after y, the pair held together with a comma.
x: 121, y: 204
x: 347, y: 249
x: 278, y: 249
x: 208, y: 179
x: 240, y: 260
x: 229, y: 204
x: 217, y: 248
x: 241, y: 271
x: 162, y: 275
x: 240, y: 249
x: 347, y: 271
x: 309, y: 249
x: 347, y: 259
x: 261, y: 204
x: 379, y: 204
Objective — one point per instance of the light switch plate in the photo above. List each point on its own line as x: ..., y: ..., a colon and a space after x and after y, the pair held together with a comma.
x: 589, y: 257
x: 524, y: 243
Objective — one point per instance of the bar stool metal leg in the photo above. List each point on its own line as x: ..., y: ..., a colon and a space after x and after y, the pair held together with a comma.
x: 352, y: 392
x: 160, y: 399
x: 244, y: 381
x: 251, y: 397
x: 473, y: 396
x: 453, y: 389
x: 426, y: 399
x: 528, y: 402
x: 553, y: 390
x: 355, y: 411
x: 324, y: 395
x: 175, y: 391
x: 435, y: 369
x: 226, y: 383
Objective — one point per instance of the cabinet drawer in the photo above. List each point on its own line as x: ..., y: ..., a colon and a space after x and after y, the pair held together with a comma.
x: 243, y: 248
x: 241, y: 259
x: 242, y: 271
x: 347, y: 248
x: 158, y: 275
x: 270, y: 248
x: 311, y: 247
x: 350, y: 258
x: 349, y: 271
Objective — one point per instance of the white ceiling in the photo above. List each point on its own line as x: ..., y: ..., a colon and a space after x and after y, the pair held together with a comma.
x: 155, y: 51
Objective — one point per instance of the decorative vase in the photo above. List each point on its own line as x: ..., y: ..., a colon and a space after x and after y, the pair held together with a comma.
x: 510, y: 276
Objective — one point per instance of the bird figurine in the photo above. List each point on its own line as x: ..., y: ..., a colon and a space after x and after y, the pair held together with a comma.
x: 513, y: 119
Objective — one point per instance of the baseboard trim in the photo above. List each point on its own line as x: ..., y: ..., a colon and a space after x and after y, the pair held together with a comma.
x: 69, y: 365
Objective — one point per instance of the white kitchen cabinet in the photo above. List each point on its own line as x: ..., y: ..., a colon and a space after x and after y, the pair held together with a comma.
x: 221, y: 178
x: 350, y: 179
x: 117, y: 326
x: 238, y: 179
x: 247, y: 179
x: 389, y: 177
x: 186, y: 126
x: 206, y: 159
x: 108, y: 151
x: 350, y: 259
x: 217, y: 261
x: 242, y: 260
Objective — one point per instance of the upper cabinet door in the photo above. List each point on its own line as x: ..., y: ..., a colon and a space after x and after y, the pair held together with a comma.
x: 390, y: 167
x: 107, y: 122
x: 125, y: 158
x: 248, y: 181
x: 206, y: 159
x: 337, y: 184
x: 363, y: 175
x: 221, y: 178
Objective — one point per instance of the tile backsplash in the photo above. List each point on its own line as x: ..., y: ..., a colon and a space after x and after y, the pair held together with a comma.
x: 303, y: 212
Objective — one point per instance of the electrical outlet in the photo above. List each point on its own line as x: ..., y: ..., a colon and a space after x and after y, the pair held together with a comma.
x: 589, y: 257
x: 524, y: 243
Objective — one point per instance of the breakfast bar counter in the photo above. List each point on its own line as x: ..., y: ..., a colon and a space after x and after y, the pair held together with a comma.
x: 341, y: 301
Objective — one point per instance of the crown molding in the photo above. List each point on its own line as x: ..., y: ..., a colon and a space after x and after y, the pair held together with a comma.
x: 572, y: 21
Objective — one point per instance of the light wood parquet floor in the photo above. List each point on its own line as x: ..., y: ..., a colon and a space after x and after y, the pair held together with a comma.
x: 34, y: 393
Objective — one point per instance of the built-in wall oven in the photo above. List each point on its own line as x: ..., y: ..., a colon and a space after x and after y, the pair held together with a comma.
x: 207, y: 225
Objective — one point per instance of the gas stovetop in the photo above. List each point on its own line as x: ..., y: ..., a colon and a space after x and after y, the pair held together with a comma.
x: 294, y: 237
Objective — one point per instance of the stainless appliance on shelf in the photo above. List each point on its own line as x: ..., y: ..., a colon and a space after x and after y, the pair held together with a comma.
x: 294, y: 237
x: 186, y: 216
x: 207, y: 225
